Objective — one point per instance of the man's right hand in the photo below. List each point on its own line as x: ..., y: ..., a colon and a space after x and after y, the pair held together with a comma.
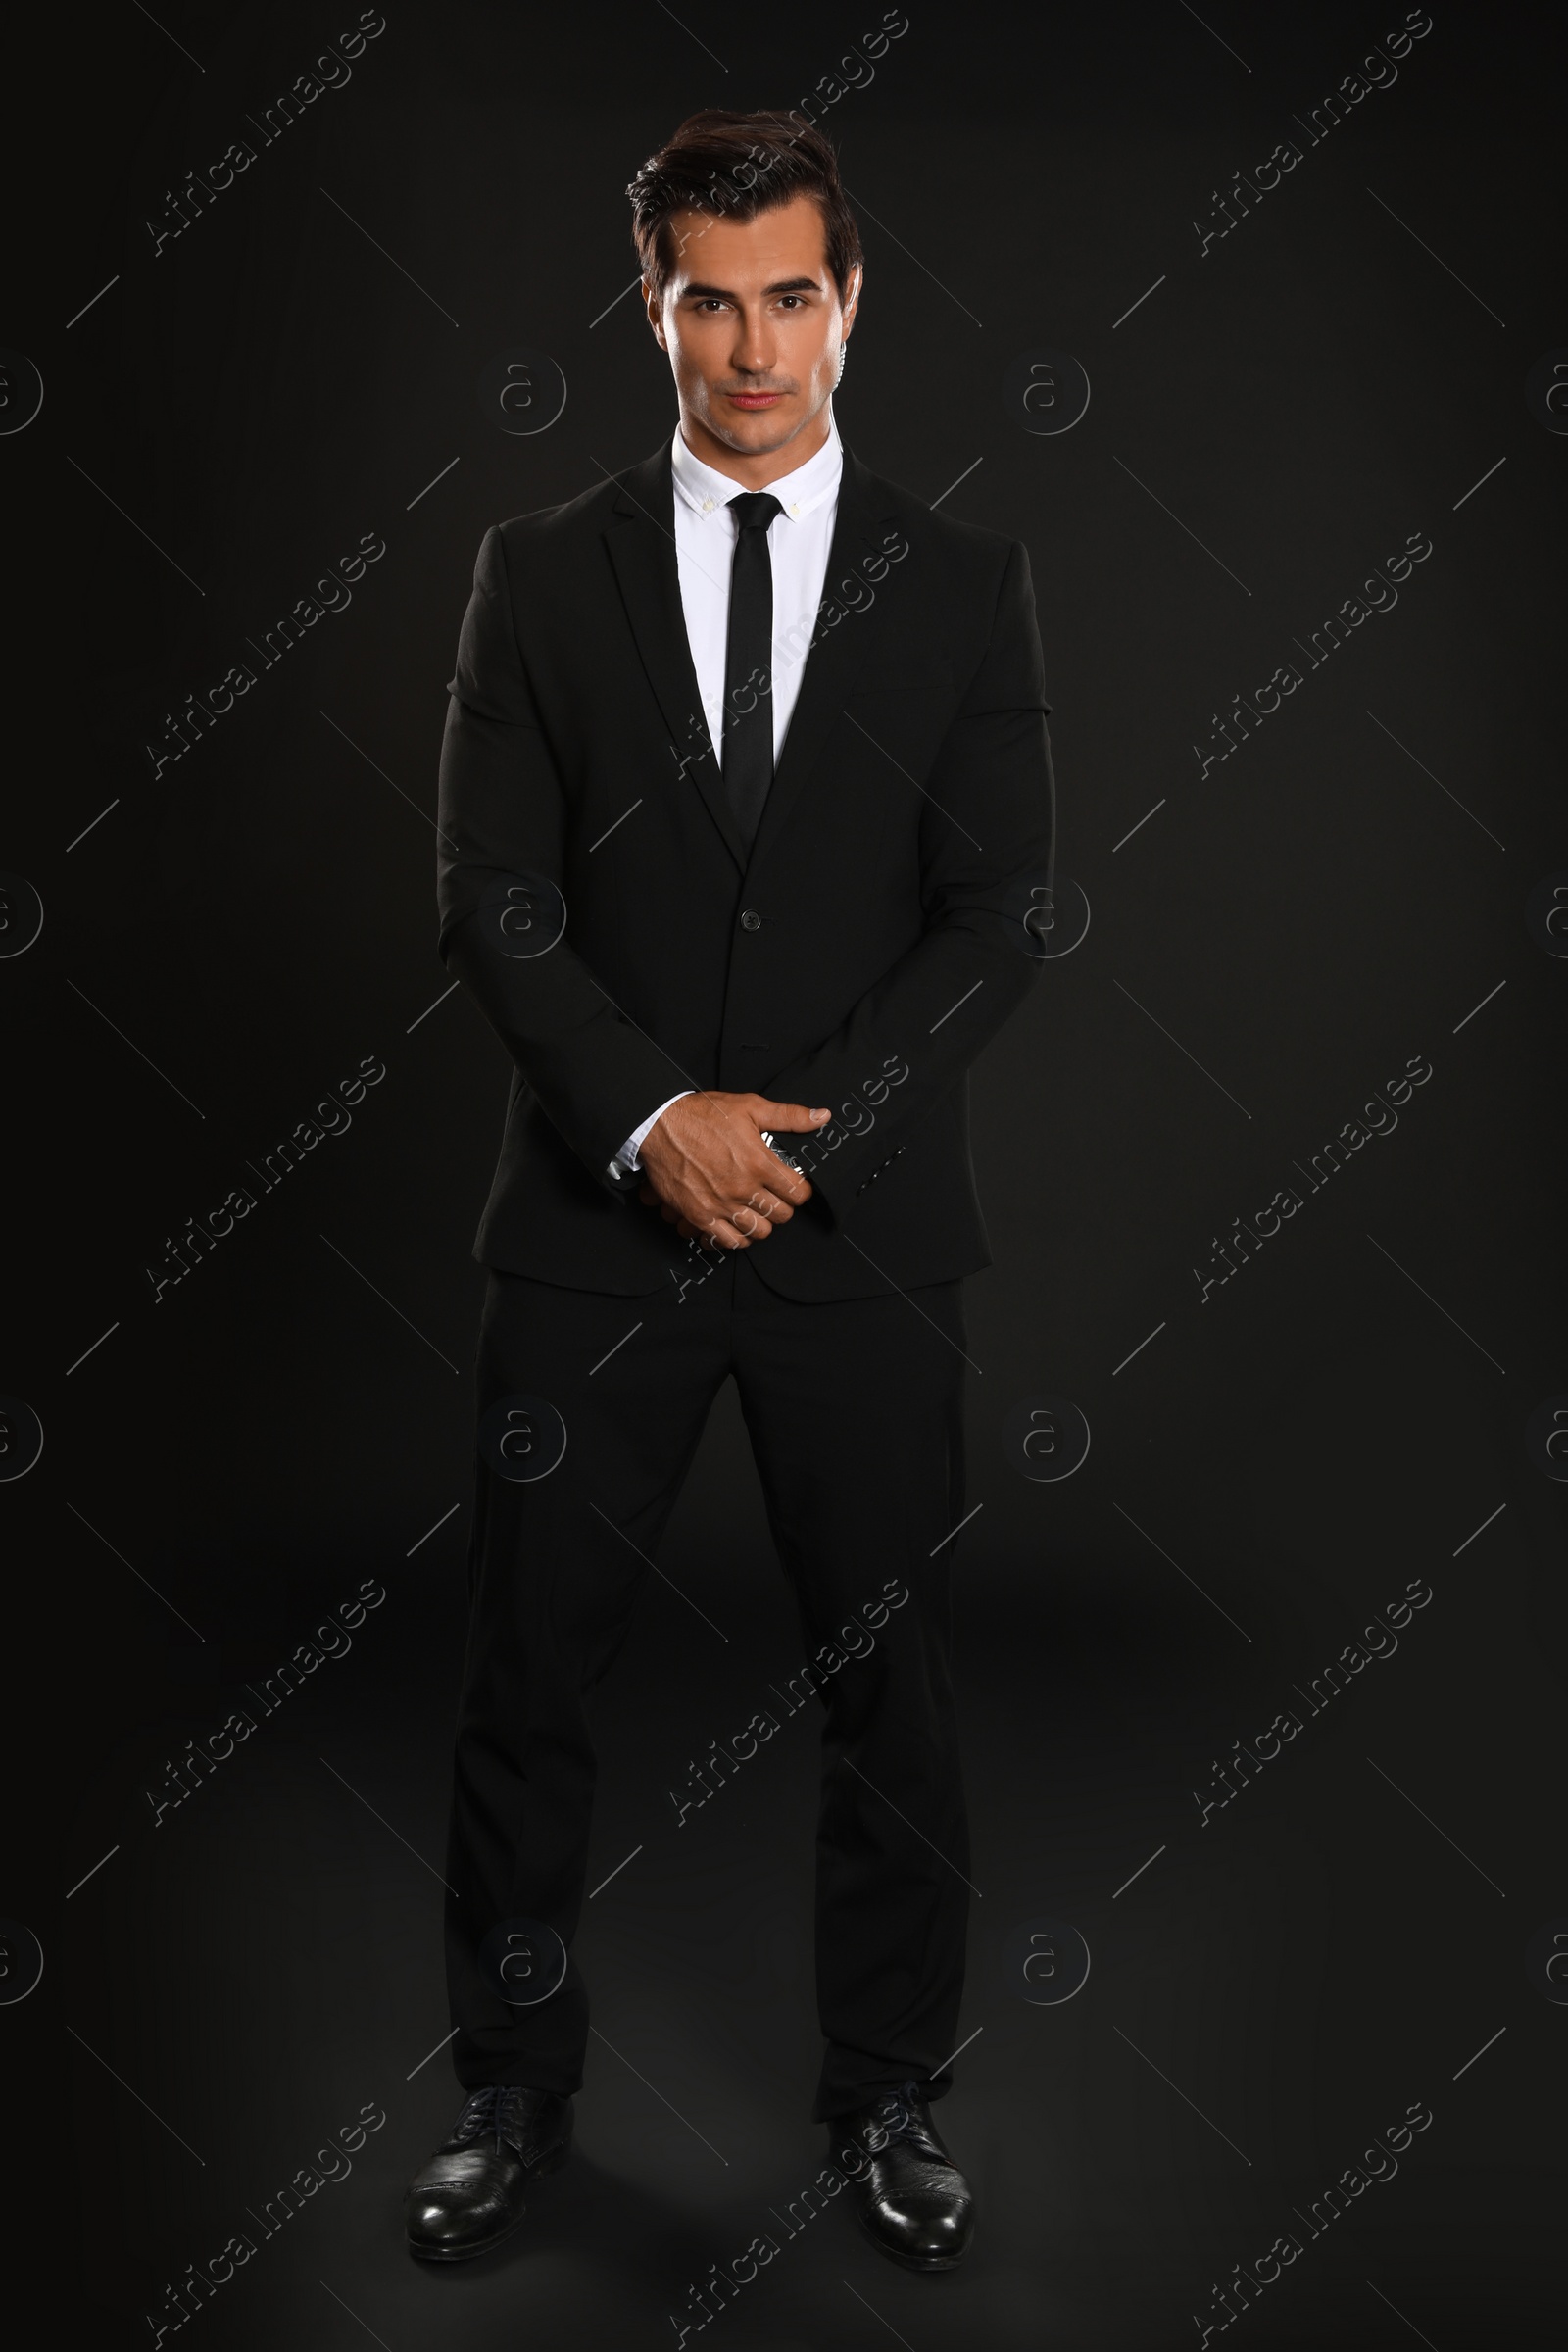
x: 710, y: 1173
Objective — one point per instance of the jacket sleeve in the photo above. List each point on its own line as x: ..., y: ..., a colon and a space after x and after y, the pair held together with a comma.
x: 503, y: 926
x: 986, y: 850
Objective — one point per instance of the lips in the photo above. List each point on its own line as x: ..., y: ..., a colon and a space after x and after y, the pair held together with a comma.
x: 753, y: 400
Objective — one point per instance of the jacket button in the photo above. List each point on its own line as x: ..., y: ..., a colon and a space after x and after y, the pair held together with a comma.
x: 751, y: 921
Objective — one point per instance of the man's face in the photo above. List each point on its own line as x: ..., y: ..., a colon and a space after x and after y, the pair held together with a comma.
x: 752, y: 323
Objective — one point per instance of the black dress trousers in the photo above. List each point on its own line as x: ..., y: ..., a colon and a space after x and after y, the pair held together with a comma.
x: 854, y: 1410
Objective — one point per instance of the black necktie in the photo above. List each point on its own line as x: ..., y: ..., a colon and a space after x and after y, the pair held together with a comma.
x: 748, y: 722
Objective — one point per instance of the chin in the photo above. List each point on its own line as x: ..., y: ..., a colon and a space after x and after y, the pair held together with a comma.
x: 767, y: 428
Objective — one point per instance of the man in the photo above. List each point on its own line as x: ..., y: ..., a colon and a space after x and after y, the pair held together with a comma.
x: 746, y: 830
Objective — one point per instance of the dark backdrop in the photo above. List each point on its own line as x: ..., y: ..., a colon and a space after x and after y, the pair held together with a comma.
x: 1363, y: 1405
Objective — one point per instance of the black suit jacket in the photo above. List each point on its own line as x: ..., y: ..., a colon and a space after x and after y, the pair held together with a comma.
x: 597, y: 903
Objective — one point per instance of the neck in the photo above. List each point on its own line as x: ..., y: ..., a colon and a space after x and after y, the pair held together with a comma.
x: 754, y: 470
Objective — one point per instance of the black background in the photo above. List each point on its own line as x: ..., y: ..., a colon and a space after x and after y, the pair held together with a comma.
x: 1278, y: 939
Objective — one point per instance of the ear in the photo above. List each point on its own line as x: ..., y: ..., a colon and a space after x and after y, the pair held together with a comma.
x: 856, y: 277
x: 655, y: 311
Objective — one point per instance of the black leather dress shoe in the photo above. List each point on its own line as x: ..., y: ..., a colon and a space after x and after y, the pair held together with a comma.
x: 468, y: 2197
x: 915, y: 2205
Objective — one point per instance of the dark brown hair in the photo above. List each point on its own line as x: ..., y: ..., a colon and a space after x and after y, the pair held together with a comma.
x: 736, y: 166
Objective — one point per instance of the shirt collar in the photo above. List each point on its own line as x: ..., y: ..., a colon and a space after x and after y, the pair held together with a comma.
x: 707, y: 491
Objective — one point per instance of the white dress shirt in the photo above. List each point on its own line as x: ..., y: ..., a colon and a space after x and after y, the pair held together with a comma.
x: 797, y: 544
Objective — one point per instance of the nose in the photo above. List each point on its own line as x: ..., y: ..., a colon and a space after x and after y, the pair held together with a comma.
x: 752, y: 349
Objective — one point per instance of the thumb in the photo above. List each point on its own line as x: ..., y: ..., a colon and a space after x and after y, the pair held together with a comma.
x: 788, y: 1118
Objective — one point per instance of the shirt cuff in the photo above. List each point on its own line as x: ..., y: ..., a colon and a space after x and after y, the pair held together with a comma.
x: 630, y: 1149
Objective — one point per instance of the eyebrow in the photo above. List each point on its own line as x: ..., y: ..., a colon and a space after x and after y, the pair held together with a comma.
x: 783, y: 285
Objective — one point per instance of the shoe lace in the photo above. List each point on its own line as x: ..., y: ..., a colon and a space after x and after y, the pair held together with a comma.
x: 497, y: 2111
x: 896, y: 2115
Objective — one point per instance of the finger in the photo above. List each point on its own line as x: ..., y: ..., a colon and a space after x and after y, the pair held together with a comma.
x: 793, y: 1118
x: 786, y: 1183
x: 717, y: 1233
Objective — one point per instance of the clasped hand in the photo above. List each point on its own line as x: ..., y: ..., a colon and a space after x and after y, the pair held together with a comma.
x: 707, y: 1171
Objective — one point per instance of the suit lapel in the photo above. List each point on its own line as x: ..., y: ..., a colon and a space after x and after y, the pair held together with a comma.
x: 641, y: 539
x: 836, y: 660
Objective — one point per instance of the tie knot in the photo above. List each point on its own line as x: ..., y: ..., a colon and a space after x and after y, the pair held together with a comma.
x: 755, y: 510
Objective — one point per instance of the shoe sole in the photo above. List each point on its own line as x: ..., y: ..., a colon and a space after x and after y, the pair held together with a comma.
x: 912, y: 2262
x: 539, y: 2171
